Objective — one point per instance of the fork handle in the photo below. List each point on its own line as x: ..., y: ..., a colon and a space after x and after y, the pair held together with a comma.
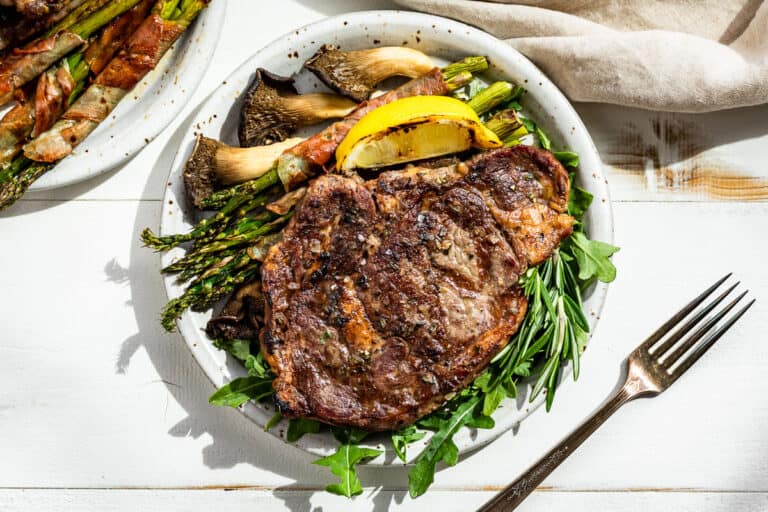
x: 514, y: 494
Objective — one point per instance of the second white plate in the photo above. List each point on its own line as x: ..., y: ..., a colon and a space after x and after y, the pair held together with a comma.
x: 149, y: 108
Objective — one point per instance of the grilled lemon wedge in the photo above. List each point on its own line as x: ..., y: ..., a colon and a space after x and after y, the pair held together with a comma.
x: 413, y: 128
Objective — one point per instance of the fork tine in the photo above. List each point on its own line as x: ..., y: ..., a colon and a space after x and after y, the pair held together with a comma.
x: 699, y: 333
x: 711, y: 339
x: 690, y: 324
x: 669, y: 324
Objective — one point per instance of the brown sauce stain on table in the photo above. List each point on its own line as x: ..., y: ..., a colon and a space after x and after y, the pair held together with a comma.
x: 674, y: 149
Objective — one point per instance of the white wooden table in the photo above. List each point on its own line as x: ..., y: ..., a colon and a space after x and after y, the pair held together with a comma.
x: 102, y: 410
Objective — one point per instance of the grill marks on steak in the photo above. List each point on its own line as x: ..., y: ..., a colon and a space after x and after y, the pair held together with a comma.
x: 386, y: 296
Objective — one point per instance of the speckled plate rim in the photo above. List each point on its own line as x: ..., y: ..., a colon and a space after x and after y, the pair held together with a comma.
x: 439, y: 37
x: 148, y: 109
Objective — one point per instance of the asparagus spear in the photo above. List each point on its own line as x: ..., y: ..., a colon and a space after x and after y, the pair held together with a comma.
x: 506, y: 124
x: 81, y: 11
x: 236, y: 208
x: 25, y: 28
x: 227, y: 242
x: 145, y: 48
x: 491, y: 96
x: 213, y: 286
x: 207, y: 291
x: 28, y: 62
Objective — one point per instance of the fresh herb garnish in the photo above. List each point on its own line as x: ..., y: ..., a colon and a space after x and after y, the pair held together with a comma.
x: 256, y: 386
x: 274, y: 420
x: 297, y: 427
x: 592, y: 258
x: 567, y: 158
x: 240, y: 390
x: 239, y: 349
x: 342, y: 464
x: 543, y: 139
x: 403, y: 437
x: 257, y: 366
x: 578, y: 202
x: 441, y: 446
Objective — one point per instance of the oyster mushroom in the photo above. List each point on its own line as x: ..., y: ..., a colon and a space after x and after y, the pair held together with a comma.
x: 356, y: 73
x: 214, y: 164
x: 242, y: 316
x: 273, y: 109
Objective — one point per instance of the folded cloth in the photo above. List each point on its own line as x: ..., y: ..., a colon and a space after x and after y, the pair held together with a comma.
x: 673, y: 55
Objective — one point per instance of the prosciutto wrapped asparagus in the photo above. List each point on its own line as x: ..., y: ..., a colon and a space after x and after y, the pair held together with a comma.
x: 141, y: 54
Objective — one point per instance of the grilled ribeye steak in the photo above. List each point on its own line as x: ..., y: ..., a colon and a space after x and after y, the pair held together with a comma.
x: 386, y: 296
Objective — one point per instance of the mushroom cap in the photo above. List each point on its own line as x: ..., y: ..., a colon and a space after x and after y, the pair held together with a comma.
x: 242, y: 316
x: 199, y: 174
x: 264, y: 118
x: 333, y: 67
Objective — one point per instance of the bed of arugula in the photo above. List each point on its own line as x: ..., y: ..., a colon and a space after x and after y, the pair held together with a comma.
x: 553, y: 335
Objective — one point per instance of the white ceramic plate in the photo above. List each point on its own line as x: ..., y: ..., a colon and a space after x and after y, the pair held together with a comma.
x: 444, y: 40
x: 143, y: 114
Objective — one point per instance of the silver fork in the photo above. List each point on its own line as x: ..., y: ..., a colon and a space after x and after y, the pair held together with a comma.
x: 650, y: 369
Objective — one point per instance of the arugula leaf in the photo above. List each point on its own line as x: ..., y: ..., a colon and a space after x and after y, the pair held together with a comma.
x: 567, y: 158
x: 517, y: 93
x: 423, y: 473
x: 543, y: 139
x: 274, y: 420
x: 529, y: 124
x: 403, y: 437
x: 532, y: 127
x: 237, y: 348
x: 342, y: 464
x: 493, y: 398
x: 297, y: 427
x: 440, y: 447
x: 592, y: 258
x: 349, y: 435
x: 257, y: 366
x: 578, y: 202
x: 523, y: 369
x: 241, y: 390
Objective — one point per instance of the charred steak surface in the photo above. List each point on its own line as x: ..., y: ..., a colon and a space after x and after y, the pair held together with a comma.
x: 384, y: 297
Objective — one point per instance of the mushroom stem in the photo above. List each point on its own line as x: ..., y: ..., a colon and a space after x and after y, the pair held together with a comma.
x: 315, y: 107
x: 355, y: 73
x: 273, y: 109
x: 214, y: 163
x: 235, y: 165
x: 378, y: 64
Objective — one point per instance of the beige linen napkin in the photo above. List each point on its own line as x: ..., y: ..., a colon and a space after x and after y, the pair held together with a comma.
x: 675, y: 55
